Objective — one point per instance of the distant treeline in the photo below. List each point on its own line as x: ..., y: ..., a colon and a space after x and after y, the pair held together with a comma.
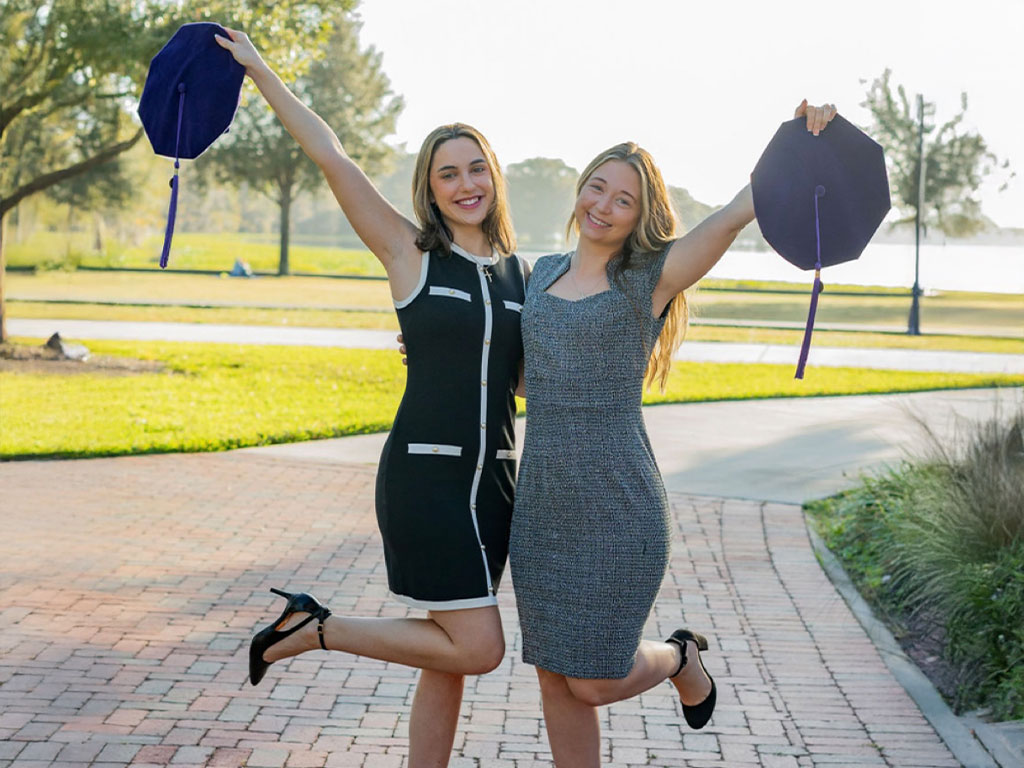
x: 541, y: 190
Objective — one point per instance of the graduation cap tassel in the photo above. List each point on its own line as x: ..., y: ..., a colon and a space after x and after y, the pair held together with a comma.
x: 805, y: 348
x: 173, y: 208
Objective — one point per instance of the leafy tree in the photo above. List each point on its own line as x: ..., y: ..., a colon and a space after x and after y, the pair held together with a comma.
x: 541, y: 192
x: 71, y: 72
x: 348, y: 89
x: 956, y: 161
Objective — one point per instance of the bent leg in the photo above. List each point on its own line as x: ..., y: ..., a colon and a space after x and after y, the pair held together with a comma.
x: 654, y: 663
x: 435, y: 716
x: 573, y: 730
x: 466, y: 642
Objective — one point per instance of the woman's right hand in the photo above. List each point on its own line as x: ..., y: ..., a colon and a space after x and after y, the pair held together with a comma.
x: 401, y: 350
x: 242, y: 49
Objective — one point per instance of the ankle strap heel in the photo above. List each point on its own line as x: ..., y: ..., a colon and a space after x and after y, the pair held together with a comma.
x: 300, y: 602
x: 696, y: 715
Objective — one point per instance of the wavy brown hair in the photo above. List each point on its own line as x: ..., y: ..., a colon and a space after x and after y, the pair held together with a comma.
x: 655, y: 231
x: 497, y: 224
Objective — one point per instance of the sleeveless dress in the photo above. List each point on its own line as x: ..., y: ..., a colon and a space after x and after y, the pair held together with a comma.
x: 591, y: 531
x: 446, y: 477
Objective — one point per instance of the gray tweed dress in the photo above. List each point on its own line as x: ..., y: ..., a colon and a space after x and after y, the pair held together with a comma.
x: 590, y: 532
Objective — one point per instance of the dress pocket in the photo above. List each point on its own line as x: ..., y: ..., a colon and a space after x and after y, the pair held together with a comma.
x: 451, y: 293
x: 515, y: 306
x: 505, y: 453
x: 435, y: 448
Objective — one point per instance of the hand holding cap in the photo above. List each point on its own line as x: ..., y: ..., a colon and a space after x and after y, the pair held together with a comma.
x: 819, y: 199
x: 189, y: 99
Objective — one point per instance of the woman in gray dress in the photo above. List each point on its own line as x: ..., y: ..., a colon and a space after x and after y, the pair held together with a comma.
x: 591, y: 528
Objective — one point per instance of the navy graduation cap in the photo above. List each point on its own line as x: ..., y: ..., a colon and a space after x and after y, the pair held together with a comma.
x: 189, y: 100
x: 819, y: 199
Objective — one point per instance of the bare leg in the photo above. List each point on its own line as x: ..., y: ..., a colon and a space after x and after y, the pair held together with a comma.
x: 573, y: 730
x: 654, y: 663
x: 435, y: 716
x: 466, y: 642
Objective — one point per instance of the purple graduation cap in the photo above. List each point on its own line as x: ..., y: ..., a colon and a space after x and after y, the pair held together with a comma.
x: 819, y: 199
x: 189, y: 99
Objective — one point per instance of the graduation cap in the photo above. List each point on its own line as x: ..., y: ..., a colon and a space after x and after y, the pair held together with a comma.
x: 819, y: 199
x: 189, y: 99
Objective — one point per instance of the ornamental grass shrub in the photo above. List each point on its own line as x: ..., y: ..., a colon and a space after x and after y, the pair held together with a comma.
x: 940, y: 541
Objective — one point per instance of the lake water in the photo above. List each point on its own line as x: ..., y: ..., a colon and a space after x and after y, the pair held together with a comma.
x: 993, y: 268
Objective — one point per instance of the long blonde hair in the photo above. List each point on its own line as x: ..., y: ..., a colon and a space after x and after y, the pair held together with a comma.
x: 655, y: 230
x: 497, y: 224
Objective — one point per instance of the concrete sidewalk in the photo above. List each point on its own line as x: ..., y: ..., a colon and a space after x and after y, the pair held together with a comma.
x: 718, y: 352
x: 130, y: 588
x: 787, y: 450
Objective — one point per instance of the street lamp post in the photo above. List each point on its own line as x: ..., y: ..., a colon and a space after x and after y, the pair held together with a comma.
x: 914, y: 322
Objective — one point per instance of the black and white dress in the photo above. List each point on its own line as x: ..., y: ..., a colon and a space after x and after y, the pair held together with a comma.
x: 446, y: 479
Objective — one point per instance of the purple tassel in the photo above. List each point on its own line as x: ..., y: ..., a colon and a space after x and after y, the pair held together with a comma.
x: 805, y: 348
x: 173, y: 208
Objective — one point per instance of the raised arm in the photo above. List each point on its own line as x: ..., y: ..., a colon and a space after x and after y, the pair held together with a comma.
x: 386, y: 232
x: 693, y: 255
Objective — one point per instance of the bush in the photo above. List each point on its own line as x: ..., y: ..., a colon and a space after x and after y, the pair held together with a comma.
x: 943, y: 538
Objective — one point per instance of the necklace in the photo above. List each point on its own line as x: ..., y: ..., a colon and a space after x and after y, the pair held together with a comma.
x: 579, y: 291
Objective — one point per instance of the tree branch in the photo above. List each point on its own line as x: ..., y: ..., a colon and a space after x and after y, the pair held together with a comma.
x: 55, y: 177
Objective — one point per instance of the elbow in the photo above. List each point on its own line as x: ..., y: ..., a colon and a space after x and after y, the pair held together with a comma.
x: 331, y: 160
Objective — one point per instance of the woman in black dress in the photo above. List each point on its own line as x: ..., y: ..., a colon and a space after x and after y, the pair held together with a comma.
x: 447, y: 474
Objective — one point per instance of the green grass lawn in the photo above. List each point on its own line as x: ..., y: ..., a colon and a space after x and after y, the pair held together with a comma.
x: 191, y: 250
x: 944, y: 312
x: 221, y: 396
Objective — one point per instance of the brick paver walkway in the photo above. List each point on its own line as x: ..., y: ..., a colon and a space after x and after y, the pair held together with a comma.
x: 129, y: 588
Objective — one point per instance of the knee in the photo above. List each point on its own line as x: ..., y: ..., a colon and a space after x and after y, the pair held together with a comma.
x: 485, y: 656
x: 593, y: 693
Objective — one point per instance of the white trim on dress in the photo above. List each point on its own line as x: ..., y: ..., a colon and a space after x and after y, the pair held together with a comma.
x: 424, y: 266
x: 485, y: 293
x: 435, y: 448
x: 451, y: 293
x: 447, y: 605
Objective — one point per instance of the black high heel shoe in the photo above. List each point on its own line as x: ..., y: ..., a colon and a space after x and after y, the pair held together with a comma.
x: 268, y: 636
x: 697, y: 715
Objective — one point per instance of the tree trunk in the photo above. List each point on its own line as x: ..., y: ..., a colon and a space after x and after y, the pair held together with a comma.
x: 70, y: 228
x: 100, y: 228
x: 3, y: 270
x: 286, y: 209
x: 18, y: 227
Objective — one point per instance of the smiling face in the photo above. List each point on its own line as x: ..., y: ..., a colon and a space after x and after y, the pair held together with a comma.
x: 608, y: 204
x: 460, y: 183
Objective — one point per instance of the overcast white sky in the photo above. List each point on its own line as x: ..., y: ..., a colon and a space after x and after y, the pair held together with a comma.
x: 702, y: 85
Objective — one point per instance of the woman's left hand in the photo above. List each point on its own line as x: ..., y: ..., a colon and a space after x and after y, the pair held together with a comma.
x: 817, y: 117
